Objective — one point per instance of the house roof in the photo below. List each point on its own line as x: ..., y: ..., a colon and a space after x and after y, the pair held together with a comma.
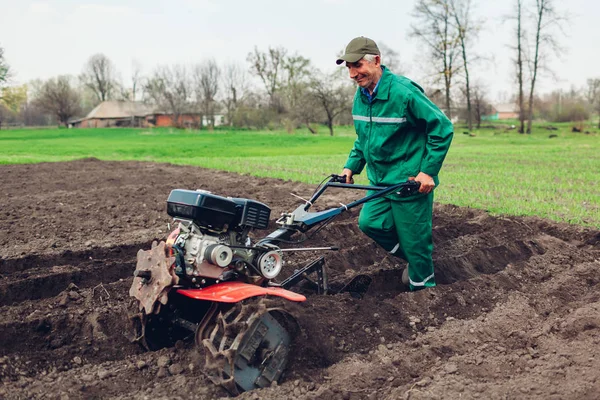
x: 124, y: 109
x: 119, y: 109
x: 507, y: 108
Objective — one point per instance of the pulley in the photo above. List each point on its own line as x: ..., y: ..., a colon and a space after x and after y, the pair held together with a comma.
x: 270, y: 264
x: 218, y: 254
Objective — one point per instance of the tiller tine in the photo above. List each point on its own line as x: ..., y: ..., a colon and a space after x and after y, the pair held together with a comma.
x: 153, y: 277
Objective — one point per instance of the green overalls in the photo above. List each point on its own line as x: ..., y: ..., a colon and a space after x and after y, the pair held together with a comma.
x: 400, y: 133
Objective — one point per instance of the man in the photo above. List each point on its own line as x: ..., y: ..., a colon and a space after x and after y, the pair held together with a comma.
x: 401, y: 135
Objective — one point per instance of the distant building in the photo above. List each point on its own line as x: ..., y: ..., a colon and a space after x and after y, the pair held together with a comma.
x: 502, y: 111
x: 219, y: 120
x: 188, y: 120
x: 114, y: 113
x: 133, y: 114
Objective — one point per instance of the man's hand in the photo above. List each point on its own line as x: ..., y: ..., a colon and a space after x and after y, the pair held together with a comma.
x: 426, y: 181
x: 348, y: 174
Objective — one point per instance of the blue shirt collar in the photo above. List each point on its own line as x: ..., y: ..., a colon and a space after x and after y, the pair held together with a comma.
x: 369, y: 95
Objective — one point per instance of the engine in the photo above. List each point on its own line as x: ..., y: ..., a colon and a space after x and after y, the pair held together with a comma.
x: 211, y: 242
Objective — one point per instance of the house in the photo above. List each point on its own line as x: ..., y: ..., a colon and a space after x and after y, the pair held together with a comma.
x: 114, y: 113
x: 134, y: 114
x: 503, y: 111
x: 156, y: 118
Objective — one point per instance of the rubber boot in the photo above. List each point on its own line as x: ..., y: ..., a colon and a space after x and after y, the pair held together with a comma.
x: 405, y: 279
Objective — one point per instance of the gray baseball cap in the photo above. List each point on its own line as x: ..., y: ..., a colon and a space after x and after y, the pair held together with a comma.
x: 357, y: 49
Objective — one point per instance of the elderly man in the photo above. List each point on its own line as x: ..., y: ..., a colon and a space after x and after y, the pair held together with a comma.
x: 401, y: 135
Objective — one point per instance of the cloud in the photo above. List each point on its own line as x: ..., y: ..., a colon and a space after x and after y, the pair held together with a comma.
x: 40, y: 8
x: 95, y: 9
x: 204, y: 5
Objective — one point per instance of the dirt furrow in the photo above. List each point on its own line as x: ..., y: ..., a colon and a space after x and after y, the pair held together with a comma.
x: 38, y: 261
x: 516, y: 313
x: 48, y: 282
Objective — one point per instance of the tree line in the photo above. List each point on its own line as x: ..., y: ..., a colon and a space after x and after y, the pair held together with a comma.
x: 275, y: 88
x: 448, y: 29
x: 293, y: 92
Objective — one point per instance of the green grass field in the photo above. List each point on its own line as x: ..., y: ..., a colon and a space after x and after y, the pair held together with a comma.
x: 497, y: 169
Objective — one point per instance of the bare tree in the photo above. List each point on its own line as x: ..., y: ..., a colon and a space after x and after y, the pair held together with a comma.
x: 296, y: 72
x: 235, y: 84
x: 131, y: 91
x: 4, y: 75
x: 4, y: 71
x: 593, y: 95
x: 100, y: 75
x: 435, y: 29
x: 267, y: 66
x: 520, y: 61
x: 546, y: 18
x: 253, y: 112
x: 520, y: 65
x: 5, y: 114
x: 391, y: 58
x: 333, y: 95
x: 481, y: 105
x: 20, y: 102
x: 308, y: 112
x: 136, y: 79
x: 563, y: 106
x: 206, y: 82
x: 467, y: 33
x: 171, y: 89
x: 59, y: 97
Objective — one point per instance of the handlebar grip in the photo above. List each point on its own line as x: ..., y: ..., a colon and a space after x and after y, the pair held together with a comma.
x: 338, y: 178
x: 409, y: 188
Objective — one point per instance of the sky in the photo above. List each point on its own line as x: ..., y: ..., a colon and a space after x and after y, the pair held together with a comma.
x: 46, y: 38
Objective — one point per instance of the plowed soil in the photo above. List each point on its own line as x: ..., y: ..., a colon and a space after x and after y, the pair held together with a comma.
x: 516, y: 313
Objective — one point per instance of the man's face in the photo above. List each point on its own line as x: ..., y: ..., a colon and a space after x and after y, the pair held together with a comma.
x: 366, y: 74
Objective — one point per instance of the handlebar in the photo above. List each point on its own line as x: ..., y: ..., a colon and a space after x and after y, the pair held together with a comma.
x: 302, y: 220
x: 402, y: 189
x: 405, y: 189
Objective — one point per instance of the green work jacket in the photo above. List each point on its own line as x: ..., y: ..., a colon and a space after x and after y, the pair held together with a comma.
x: 399, y: 133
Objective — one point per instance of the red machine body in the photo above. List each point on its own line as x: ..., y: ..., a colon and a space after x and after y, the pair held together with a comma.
x: 233, y: 292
